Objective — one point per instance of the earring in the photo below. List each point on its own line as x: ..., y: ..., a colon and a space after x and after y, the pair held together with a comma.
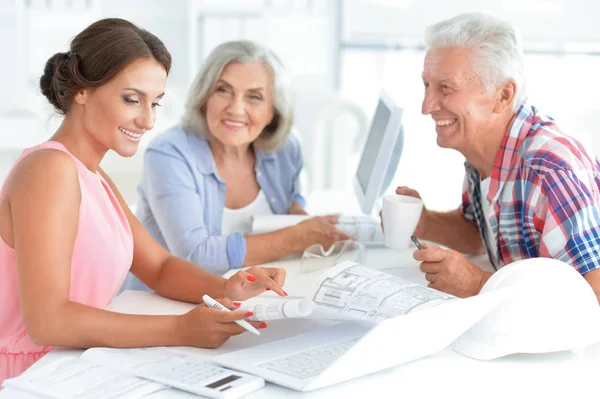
x: 80, y: 100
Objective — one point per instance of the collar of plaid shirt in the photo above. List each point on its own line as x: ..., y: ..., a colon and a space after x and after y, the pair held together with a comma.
x: 517, y: 239
x: 506, y: 157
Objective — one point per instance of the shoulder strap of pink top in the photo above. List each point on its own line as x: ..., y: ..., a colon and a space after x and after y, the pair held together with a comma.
x: 45, y: 145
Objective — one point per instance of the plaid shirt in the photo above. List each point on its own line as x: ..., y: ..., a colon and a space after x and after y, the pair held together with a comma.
x: 544, y: 196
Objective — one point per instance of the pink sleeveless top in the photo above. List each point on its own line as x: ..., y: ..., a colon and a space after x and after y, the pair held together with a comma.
x: 102, y: 256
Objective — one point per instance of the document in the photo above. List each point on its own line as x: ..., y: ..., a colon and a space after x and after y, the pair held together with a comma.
x: 74, y: 378
x: 132, y: 373
x: 353, y: 292
x: 365, y: 229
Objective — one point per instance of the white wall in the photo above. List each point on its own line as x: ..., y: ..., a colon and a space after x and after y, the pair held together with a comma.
x: 377, y: 44
x: 301, y: 32
x: 561, y: 77
x: 538, y: 20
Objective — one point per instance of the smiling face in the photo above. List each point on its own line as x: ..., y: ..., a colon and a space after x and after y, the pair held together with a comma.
x: 241, y: 104
x: 463, y: 110
x: 118, y: 113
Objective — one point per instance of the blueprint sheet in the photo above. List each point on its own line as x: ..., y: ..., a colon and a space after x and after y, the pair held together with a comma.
x: 353, y: 291
x: 350, y: 291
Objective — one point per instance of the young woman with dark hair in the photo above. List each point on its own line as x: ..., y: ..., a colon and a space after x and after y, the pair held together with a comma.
x: 68, y: 238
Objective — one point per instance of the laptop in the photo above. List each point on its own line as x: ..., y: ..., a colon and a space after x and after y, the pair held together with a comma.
x: 344, y: 351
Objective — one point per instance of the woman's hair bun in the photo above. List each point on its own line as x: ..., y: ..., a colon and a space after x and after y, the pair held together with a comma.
x: 95, y: 56
x: 54, y: 83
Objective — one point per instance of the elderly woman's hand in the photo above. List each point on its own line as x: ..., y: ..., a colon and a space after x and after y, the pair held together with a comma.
x: 296, y: 209
x: 254, y: 281
x: 320, y: 230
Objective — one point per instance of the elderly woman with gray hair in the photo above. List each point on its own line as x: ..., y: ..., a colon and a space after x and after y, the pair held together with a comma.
x: 231, y: 158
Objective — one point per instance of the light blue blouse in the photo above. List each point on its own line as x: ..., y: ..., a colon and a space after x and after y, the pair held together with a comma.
x: 182, y: 196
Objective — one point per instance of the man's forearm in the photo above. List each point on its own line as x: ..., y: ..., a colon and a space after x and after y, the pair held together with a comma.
x: 593, y: 279
x: 452, y: 230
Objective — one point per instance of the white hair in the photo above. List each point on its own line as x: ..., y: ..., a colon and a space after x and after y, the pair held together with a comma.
x: 246, y: 52
x: 498, y: 55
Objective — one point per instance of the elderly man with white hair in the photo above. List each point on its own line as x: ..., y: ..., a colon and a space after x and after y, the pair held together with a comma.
x: 530, y: 190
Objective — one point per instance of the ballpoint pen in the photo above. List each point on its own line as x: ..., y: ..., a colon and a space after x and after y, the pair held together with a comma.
x: 416, y: 241
x: 214, y: 304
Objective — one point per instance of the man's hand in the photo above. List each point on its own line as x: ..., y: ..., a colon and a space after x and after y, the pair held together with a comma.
x: 409, y: 192
x: 449, y: 271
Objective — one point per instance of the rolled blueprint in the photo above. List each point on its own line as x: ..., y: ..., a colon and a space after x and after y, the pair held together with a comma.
x: 362, y: 228
x: 291, y: 308
x: 267, y: 223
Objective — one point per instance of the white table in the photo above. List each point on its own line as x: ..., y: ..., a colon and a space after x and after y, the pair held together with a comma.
x: 445, y: 374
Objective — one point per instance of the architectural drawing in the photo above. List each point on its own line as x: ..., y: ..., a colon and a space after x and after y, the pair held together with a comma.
x: 360, y: 292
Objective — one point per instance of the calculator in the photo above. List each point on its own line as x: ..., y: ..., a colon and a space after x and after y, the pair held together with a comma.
x: 204, y: 379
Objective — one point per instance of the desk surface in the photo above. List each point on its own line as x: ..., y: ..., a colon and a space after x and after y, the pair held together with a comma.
x: 445, y: 374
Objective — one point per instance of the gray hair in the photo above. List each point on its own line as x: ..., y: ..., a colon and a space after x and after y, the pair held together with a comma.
x: 246, y: 52
x: 498, y: 52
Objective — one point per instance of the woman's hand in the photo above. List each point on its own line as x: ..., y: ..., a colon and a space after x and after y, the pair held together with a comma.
x: 254, y: 281
x: 320, y: 230
x: 296, y: 209
x: 205, y: 327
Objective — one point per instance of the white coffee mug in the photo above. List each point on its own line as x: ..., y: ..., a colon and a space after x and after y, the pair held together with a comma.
x: 400, y: 214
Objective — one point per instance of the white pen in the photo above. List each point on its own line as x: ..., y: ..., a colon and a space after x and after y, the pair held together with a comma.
x: 214, y: 304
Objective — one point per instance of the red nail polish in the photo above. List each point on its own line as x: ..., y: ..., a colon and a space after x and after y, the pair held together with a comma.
x: 237, y: 303
x: 251, y: 278
x: 268, y: 289
x: 262, y: 325
x: 248, y: 314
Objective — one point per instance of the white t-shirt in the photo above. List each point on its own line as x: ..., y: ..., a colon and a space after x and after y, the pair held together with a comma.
x: 240, y: 220
x: 484, y: 186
